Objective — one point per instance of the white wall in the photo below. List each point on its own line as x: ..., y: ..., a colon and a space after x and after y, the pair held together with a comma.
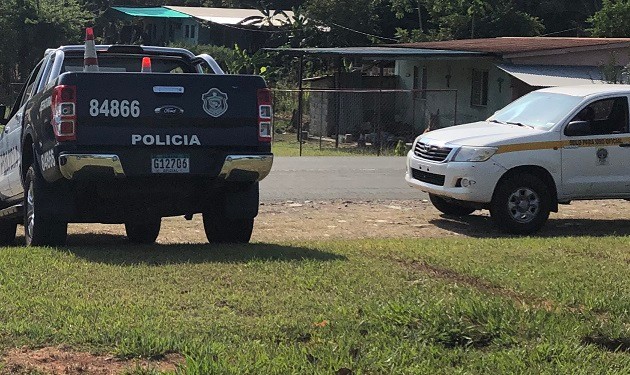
x: 460, y: 71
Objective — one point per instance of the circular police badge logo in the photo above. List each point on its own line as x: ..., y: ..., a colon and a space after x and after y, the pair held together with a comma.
x: 215, y: 102
x: 602, y: 154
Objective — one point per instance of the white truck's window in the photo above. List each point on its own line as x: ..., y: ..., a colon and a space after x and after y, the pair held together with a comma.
x: 606, y: 116
x: 538, y: 109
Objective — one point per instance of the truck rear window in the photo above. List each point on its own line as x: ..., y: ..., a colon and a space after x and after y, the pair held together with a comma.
x: 130, y: 63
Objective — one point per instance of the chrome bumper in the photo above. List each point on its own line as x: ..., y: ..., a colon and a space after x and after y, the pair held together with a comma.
x: 235, y: 167
x: 239, y: 167
x: 69, y: 164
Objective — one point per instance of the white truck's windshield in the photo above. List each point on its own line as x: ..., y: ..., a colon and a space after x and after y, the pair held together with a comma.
x: 540, y: 110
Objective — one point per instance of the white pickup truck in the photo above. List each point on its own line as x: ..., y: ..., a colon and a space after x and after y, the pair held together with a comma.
x: 549, y: 147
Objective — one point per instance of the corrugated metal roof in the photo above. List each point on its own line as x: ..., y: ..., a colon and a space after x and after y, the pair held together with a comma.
x: 386, y: 53
x: 507, y: 45
x: 231, y: 16
x: 155, y: 12
x: 551, y: 76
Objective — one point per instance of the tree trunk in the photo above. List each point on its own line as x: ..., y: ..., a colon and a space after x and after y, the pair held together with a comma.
x: 420, y: 16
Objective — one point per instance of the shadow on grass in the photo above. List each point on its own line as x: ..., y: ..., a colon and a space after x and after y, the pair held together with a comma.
x: 482, y: 227
x: 610, y: 344
x: 115, y: 249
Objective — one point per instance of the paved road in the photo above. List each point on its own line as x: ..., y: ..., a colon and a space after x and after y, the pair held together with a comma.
x: 324, y: 178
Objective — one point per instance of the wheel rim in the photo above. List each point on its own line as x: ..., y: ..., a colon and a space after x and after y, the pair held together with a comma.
x: 523, y: 205
x: 30, y: 212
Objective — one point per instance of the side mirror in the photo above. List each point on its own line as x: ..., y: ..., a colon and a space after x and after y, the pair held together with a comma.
x: 577, y: 128
x: 3, y: 114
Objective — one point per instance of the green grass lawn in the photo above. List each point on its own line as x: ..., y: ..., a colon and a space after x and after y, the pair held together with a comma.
x: 419, y: 306
x: 287, y: 145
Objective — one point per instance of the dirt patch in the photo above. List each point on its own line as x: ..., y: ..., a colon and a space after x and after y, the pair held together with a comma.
x: 62, y: 360
x: 297, y: 221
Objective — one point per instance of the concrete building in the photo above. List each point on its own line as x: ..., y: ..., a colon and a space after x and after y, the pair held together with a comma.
x: 248, y: 28
x: 462, y: 81
x: 504, y: 69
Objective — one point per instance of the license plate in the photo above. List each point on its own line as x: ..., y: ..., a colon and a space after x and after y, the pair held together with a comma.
x: 170, y: 164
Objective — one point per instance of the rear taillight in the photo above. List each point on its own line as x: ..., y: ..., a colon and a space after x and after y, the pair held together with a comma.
x: 265, y: 115
x: 64, y: 112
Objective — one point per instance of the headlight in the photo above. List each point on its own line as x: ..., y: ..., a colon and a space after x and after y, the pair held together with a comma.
x: 467, y: 153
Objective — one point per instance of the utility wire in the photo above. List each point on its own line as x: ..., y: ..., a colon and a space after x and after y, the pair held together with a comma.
x: 366, y: 34
x: 210, y: 23
x: 560, y: 32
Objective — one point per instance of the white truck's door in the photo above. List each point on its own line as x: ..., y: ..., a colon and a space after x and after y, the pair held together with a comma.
x: 596, y: 163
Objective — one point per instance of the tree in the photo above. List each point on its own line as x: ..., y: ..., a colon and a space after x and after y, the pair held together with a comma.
x: 353, y: 23
x: 456, y: 19
x: 561, y: 17
x: 28, y: 27
x: 613, y: 20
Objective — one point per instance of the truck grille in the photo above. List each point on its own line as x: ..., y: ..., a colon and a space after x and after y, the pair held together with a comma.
x: 429, y: 178
x: 429, y: 152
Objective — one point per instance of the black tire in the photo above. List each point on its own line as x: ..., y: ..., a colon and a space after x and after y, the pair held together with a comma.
x: 221, y: 230
x: 521, y: 204
x: 143, y: 232
x: 40, y: 226
x: 450, y: 207
x: 7, y: 233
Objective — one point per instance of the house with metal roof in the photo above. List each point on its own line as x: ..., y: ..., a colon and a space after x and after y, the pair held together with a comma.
x: 249, y: 28
x: 504, y: 69
x: 485, y: 74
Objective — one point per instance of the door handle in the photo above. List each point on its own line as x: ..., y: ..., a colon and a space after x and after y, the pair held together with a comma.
x: 624, y: 145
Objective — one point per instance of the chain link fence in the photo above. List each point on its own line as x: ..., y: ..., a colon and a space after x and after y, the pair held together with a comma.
x: 357, y: 121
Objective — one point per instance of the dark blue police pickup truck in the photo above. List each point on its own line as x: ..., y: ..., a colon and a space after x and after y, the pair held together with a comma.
x: 151, y: 132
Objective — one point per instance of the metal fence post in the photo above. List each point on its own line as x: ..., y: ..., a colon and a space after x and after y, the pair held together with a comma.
x: 300, y: 96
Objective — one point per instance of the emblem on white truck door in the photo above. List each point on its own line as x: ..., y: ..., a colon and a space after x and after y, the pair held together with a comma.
x: 215, y: 102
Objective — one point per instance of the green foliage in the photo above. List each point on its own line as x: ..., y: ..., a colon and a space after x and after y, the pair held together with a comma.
x: 613, y: 20
x: 613, y: 73
x: 359, y: 15
x: 481, y: 19
x: 28, y: 27
x: 235, y: 60
x: 400, y: 149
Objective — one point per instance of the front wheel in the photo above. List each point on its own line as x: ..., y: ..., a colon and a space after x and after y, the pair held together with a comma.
x: 40, y: 227
x: 221, y: 230
x: 145, y: 232
x: 521, y: 204
x: 450, y: 207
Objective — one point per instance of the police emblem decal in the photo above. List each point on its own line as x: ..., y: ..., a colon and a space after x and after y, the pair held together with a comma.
x: 215, y: 102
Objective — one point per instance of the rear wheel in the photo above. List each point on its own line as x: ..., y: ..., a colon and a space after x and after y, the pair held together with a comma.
x: 220, y: 230
x: 521, y: 204
x: 145, y: 232
x: 40, y: 227
x: 449, y: 207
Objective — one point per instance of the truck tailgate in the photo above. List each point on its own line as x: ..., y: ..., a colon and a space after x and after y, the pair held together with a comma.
x: 154, y: 109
